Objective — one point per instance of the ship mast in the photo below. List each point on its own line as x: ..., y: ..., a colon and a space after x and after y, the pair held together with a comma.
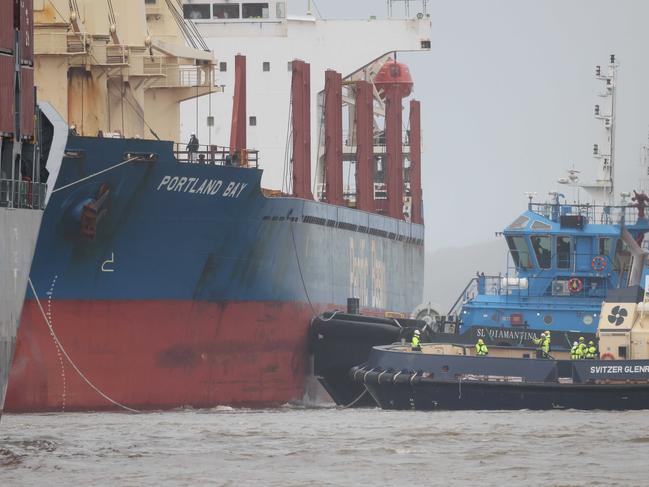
x: 603, y: 190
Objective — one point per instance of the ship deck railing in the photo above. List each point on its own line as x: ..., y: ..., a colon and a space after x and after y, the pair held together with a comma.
x: 597, y: 214
x: 22, y: 194
x: 526, y: 290
x: 215, y: 155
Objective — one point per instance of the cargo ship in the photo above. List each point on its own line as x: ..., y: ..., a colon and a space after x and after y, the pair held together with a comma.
x: 165, y: 275
x: 21, y: 193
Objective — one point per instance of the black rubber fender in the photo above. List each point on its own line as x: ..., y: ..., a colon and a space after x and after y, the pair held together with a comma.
x: 402, y: 377
x: 371, y: 377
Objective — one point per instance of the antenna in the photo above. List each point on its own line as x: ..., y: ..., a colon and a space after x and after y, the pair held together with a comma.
x: 530, y: 195
x: 644, y: 162
x: 572, y: 180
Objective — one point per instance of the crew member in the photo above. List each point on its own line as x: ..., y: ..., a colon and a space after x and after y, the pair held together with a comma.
x: 582, y: 348
x: 543, y: 344
x: 416, y: 347
x: 481, y: 349
x: 591, y: 351
x: 192, y: 147
x: 574, y: 351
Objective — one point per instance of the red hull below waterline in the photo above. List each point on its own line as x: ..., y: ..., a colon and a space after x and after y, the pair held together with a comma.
x: 236, y: 353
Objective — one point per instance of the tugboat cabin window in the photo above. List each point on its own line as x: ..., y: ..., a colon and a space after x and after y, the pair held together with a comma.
x: 255, y: 10
x: 542, y: 246
x: 226, y: 11
x: 520, y: 222
x: 540, y: 226
x: 604, y: 246
x: 197, y: 11
x: 520, y: 252
x: 564, y: 254
x: 621, y: 351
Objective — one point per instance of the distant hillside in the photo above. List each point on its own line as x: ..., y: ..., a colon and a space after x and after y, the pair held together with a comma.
x: 449, y: 270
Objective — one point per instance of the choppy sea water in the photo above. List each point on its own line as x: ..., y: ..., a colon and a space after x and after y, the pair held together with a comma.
x: 296, y: 446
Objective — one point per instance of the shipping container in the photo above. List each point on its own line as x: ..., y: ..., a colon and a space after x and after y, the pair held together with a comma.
x: 6, y: 26
x: 6, y: 94
x: 27, y: 101
x: 27, y: 31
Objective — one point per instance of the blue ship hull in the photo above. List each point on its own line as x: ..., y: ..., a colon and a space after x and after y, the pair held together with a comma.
x: 171, y: 284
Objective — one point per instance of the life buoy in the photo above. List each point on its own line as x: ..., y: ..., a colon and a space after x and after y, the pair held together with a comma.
x: 607, y: 356
x: 575, y: 285
x: 598, y: 263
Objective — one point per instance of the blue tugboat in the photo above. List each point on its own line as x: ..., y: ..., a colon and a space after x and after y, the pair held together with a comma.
x: 564, y: 257
x: 449, y: 376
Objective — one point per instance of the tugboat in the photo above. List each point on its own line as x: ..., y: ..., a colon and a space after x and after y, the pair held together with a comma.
x: 563, y: 257
x: 449, y: 376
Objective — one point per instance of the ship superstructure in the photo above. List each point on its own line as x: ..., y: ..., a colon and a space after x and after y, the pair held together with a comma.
x: 271, y: 38
x: 164, y: 276
x: 565, y: 256
x: 21, y: 193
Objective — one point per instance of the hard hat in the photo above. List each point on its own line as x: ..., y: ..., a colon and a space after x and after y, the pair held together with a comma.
x: 480, y: 341
x: 575, y: 344
x: 591, y: 343
x: 547, y: 332
x: 581, y: 339
x: 417, y: 332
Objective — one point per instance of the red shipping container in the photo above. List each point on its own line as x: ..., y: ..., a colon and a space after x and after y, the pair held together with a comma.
x: 27, y: 101
x: 6, y: 94
x: 7, y: 25
x: 27, y: 31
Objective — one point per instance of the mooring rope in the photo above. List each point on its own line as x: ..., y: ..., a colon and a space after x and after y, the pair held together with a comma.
x: 354, y: 401
x: 299, y: 268
x: 74, y: 366
x: 131, y: 159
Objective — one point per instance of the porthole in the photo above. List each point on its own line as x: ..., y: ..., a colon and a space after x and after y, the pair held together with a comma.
x: 588, y: 320
x: 547, y: 319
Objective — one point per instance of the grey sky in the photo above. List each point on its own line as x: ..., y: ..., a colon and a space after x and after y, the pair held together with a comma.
x: 507, y: 100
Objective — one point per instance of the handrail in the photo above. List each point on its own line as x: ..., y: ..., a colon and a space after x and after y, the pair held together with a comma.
x: 598, y: 214
x: 216, y: 155
x: 22, y: 194
x: 462, y: 294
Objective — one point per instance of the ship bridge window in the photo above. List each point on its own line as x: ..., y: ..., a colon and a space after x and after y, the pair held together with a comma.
x: 622, y: 259
x: 280, y: 10
x: 197, y: 11
x: 226, y: 10
x: 604, y: 246
x: 520, y: 252
x: 520, y: 222
x: 564, y: 254
x: 255, y: 10
x: 542, y: 246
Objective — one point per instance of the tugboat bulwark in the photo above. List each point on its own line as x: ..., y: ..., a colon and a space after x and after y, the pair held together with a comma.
x: 448, y: 376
